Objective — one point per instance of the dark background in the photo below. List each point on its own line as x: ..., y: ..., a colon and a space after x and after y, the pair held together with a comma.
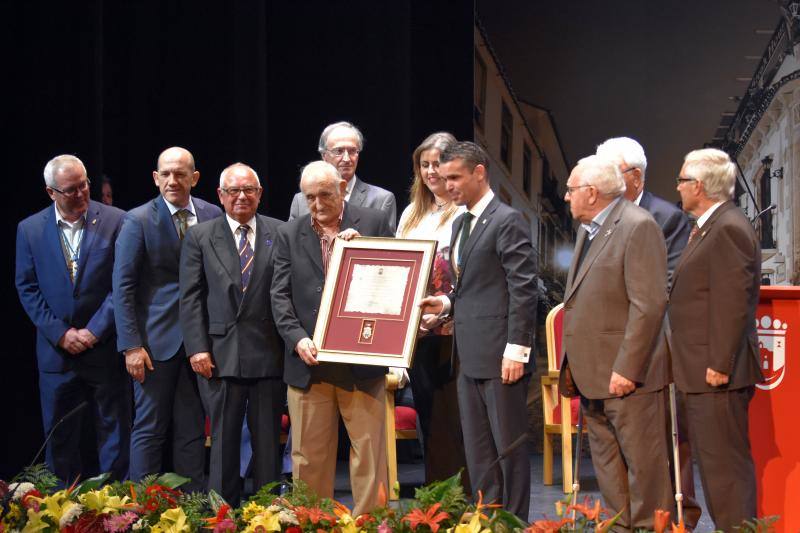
x: 115, y: 83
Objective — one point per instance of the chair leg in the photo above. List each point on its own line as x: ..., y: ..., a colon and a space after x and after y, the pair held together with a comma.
x: 547, y: 467
x: 566, y: 445
x: 391, y: 445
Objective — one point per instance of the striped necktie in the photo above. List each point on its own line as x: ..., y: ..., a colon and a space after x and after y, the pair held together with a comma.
x: 693, y: 233
x: 183, y: 222
x: 245, y: 256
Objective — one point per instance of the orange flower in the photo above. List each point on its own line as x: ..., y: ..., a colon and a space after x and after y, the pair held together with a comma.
x: 547, y: 526
x: 660, y: 521
x: 382, y: 498
x: 431, y: 518
x: 313, y: 515
x: 679, y: 528
x: 590, y: 513
x: 606, y: 525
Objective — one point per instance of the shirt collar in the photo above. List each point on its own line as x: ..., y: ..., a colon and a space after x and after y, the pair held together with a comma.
x: 639, y: 198
x: 235, y: 225
x: 174, y: 209
x: 705, y: 216
x: 594, y: 226
x: 350, y: 185
x: 61, y: 220
x: 478, y: 209
x: 318, y: 229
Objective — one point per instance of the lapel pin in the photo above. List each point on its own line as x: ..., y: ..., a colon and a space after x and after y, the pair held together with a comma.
x: 268, y: 242
x: 484, y: 221
x: 607, y: 233
x: 94, y: 221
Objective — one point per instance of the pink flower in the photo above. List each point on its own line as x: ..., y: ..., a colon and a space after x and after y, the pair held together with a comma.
x: 119, y: 523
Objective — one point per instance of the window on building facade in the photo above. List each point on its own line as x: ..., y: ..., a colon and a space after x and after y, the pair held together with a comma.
x: 479, y: 93
x: 765, y: 190
x: 526, y: 170
x: 506, y: 135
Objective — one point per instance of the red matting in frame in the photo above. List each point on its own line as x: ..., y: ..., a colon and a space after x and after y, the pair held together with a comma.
x: 369, y: 333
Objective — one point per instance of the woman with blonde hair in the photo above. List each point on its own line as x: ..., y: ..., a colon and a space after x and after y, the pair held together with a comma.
x: 430, y: 216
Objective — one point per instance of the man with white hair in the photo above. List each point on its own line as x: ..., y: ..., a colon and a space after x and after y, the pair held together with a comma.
x: 632, y: 163
x: 713, y: 341
x: 613, y: 310
x: 320, y: 392
x: 63, y: 276
x: 340, y: 145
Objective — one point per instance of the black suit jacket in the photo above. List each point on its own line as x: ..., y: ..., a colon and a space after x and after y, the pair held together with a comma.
x: 494, y: 300
x: 674, y: 224
x: 216, y: 316
x: 297, y: 290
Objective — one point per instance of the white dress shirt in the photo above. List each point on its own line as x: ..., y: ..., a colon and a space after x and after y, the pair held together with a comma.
x: 191, y: 220
x: 251, y: 235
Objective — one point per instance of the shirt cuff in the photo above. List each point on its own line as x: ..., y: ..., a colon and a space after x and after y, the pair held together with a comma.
x: 517, y: 352
x: 445, y: 306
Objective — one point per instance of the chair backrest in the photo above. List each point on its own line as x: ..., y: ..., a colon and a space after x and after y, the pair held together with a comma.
x: 554, y: 327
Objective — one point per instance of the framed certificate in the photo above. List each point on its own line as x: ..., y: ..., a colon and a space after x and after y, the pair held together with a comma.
x: 369, y: 313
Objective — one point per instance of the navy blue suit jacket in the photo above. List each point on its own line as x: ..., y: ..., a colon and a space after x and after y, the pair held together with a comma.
x: 146, y: 292
x: 53, y: 303
x: 674, y: 225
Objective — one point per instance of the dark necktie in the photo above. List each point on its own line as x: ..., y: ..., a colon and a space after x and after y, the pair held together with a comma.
x: 183, y: 222
x: 466, y: 227
x: 587, y: 243
x: 693, y: 233
x: 245, y: 256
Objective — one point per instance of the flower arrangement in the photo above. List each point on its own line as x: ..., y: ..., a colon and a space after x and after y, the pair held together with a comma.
x: 30, y: 504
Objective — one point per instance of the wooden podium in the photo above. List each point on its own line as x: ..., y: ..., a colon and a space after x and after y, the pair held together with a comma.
x: 774, y: 410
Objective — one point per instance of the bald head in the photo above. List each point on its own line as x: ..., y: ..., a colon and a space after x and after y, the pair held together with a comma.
x: 176, y: 175
x: 324, y: 191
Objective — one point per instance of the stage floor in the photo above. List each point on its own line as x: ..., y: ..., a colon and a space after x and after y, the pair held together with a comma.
x: 543, y: 497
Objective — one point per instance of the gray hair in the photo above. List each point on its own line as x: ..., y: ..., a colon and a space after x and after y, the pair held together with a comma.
x: 229, y: 168
x: 59, y: 162
x: 472, y: 154
x: 317, y: 168
x: 714, y: 169
x: 625, y: 148
x: 323, y: 139
x: 603, y: 174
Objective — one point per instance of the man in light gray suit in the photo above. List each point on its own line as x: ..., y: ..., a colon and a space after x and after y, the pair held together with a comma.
x: 614, y: 305
x: 340, y: 145
x: 494, y: 308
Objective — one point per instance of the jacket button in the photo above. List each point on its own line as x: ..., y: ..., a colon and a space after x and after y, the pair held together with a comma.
x: 315, y: 311
x: 319, y: 289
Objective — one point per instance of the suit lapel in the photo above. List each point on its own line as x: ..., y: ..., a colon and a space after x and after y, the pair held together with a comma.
x: 261, y: 257
x: 457, y: 223
x: 226, y: 252
x: 598, y: 243
x: 582, y: 236
x: 475, y: 235
x: 201, y: 210
x: 698, y: 239
x: 90, y: 227
x: 52, y: 240
x: 164, y: 225
x: 310, y: 242
x: 358, y: 196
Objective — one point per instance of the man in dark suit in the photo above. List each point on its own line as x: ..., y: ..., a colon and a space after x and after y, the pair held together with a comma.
x: 320, y: 392
x: 146, y: 302
x: 63, y: 276
x: 614, y: 305
x: 632, y: 163
x: 494, y: 308
x: 713, y: 340
x: 340, y: 145
x: 229, y: 334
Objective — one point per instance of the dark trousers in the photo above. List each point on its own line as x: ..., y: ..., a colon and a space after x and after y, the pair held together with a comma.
x: 107, y: 390
x: 227, y: 400
x: 629, y: 455
x: 434, y: 386
x: 718, y: 428
x: 493, y: 417
x: 168, y: 398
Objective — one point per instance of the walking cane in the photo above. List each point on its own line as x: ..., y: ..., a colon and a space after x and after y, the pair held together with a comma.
x: 673, y: 413
x: 576, y: 484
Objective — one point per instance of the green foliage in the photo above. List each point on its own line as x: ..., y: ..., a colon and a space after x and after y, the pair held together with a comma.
x: 39, y: 475
x: 503, y: 521
x: 758, y: 525
x: 171, y: 480
x: 93, y: 483
x: 267, y: 493
x: 448, y: 492
x: 299, y: 495
x: 196, y: 506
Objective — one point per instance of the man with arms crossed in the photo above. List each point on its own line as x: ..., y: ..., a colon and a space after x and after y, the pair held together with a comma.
x: 146, y: 303
x: 494, y: 308
x: 613, y: 311
x: 713, y: 341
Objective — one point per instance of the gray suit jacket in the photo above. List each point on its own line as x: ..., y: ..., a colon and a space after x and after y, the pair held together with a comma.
x: 494, y: 300
x: 363, y: 195
x: 614, y: 306
x: 216, y: 316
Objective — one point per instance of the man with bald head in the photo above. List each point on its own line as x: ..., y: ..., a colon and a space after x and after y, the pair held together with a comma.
x: 320, y: 392
x: 229, y: 333
x: 63, y: 277
x: 146, y: 301
x: 340, y: 145
x: 614, y: 305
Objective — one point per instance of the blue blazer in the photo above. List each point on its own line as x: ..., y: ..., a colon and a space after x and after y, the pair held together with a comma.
x: 53, y: 303
x: 146, y: 292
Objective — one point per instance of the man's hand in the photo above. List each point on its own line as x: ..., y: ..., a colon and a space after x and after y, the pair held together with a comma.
x: 427, y: 323
x: 511, y: 371
x: 87, y: 338
x: 202, y: 364
x: 431, y: 305
x: 135, y: 361
x: 348, y: 234
x: 307, y: 351
x: 716, y: 379
x: 72, y: 342
x: 620, y: 386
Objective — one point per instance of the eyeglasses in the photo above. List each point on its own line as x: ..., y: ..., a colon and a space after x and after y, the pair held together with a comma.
x: 680, y: 180
x: 74, y: 191
x: 236, y: 191
x: 629, y: 169
x: 339, y: 152
x: 571, y: 190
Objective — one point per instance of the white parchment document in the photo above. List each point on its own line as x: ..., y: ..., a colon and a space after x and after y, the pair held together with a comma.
x: 377, y: 289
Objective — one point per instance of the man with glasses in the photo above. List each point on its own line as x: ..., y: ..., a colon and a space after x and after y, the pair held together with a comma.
x: 614, y: 305
x: 229, y: 332
x: 146, y: 299
x: 63, y: 276
x: 340, y: 145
